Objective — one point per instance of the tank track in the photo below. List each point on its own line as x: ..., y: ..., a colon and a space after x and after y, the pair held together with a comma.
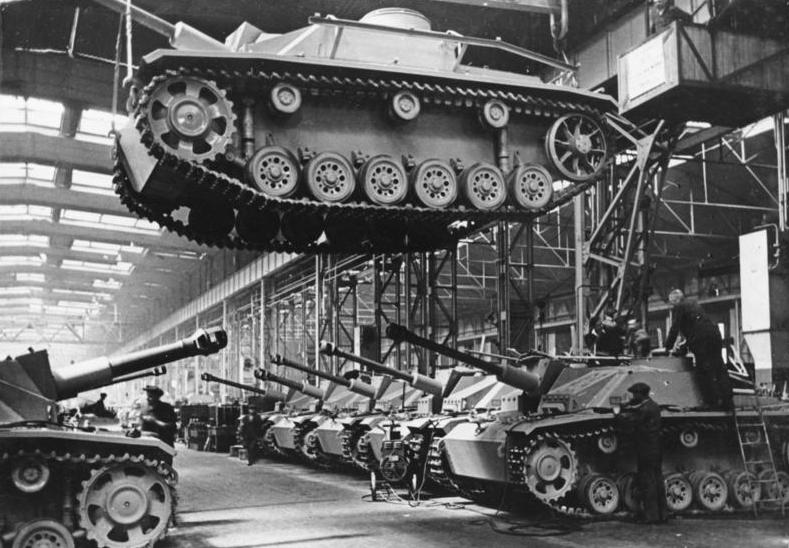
x: 242, y: 196
x: 95, y: 462
x: 566, y: 505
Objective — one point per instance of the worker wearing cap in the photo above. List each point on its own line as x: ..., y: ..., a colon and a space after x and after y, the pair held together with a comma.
x: 640, y: 418
x: 249, y: 433
x: 704, y: 340
x: 158, y: 418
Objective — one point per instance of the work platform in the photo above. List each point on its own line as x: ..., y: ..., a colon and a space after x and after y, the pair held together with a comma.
x: 695, y: 72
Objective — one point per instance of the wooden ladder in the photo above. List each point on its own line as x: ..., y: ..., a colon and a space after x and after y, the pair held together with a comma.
x: 758, y: 459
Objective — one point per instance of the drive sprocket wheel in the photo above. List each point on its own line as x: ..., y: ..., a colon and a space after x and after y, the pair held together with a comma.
x: 125, y: 506
x: 577, y: 147
x: 191, y: 117
x: 43, y: 533
x: 551, y: 469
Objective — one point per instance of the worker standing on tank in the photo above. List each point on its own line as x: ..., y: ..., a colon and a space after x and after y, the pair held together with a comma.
x: 157, y: 417
x: 640, y: 418
x: 704, y: 340
x: 249, y: 432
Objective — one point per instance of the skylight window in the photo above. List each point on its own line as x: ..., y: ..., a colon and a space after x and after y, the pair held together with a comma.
x: 20, y: 114
x: 24, y: 212
x: 107, y: 284
x: 79, y: 293
x: 24, y: 260
x: 88, y: 181
x: 95, y: 125
x: 17, y: 172
x: 86, y: 266
x: 23, y: 240
x: 107, y: 221
x: 18, y: 291
x: 31, y: 277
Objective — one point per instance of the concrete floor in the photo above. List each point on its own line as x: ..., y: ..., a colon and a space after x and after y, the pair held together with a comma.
x: 226, y: 504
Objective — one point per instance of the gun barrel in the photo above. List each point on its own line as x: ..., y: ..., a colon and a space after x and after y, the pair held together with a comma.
x: 211, y: 378
x: 78, y: 377
x: 158, y: 372
x: 415, y: 379
x: 513, y: 376
x: 356, y: 386
x: 278, y: 359
x: 301, y: 386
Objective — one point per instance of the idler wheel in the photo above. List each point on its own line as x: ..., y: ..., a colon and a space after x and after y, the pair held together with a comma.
x: 483, y: 186
x: 30, y: 475
x: 435, y: 184
x: 274, y: 171
x: 125, y: 505
x: 384, y: 180
x: 285, y: 98
x: 600, y: 493
x: 531, y: 186
x: 744, y: 489
x: 191, y: 118
x: 330, y: 177
x: 778, y: 489
x: 551, y: 469
x: 629, y: 492
x: 710, y: 490
x: 257, y: 227
x: 212, y: 221
x: 301, y: 229
x: 679, y: 492
x: 496, y: 114
x: 577, y: 147
x: 43, y: 533
x: 405, y: 106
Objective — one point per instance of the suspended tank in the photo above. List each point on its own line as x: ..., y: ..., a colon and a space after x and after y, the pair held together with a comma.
x: 348, y: 136
x: 62, y: 483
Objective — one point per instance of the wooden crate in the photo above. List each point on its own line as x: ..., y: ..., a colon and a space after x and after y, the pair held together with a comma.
x: 688, y: 72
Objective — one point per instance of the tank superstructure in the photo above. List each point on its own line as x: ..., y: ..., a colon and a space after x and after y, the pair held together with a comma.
x: 327, y: 138
x: 560, y: 444
x: 62, y: 483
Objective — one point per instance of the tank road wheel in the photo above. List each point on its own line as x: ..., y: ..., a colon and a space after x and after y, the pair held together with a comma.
x: 577, y: 147
x: 600, y: 493
x: 30, y: 475
x: 483, y: 186
x: 435, y: 184
x: 531, y: 186
x: 384, y: 180
x: 125, y: 506
x: 330, y: 177
x: 43, y: 533
x: 772, y: 489
x: 710, y: 490
x: 679, y: 492
x: 551, y: 469
x: 191, y: 118
x: 274, y: 171
x: 629, y: 492
x: 743, y: 488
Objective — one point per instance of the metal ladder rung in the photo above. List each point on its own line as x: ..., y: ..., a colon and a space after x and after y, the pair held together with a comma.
x: 757, y: 461
x: 753, y: 443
